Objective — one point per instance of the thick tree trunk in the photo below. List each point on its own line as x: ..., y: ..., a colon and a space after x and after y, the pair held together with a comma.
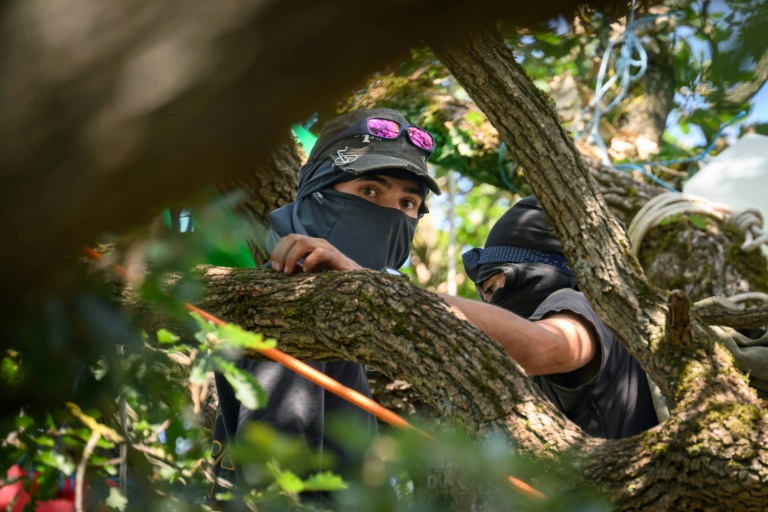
x: 644, y: 115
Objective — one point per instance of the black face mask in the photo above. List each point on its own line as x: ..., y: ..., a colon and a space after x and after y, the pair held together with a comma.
x: 526, y: 286
x: 371, y: 235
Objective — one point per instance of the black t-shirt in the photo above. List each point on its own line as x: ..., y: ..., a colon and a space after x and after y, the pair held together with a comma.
x: 617, y: 401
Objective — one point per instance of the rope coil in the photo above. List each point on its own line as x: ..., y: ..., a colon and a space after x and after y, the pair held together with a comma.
x: 749, y: 220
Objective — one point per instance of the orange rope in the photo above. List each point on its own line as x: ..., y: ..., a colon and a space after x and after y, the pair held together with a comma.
x: 326, y: 382
x: 322, y: 379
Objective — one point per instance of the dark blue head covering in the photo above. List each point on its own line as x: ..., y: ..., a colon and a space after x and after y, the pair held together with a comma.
x: 521, y: 245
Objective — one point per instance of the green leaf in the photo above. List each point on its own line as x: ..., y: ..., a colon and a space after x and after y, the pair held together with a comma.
x: 168, y: 473
x: 698, y: 221
x: 116, y: 499
x: 325, y: 481
x: 247, y: 389
x: 473, y: 117
x: 11, y: 370
x: 56, y: 460
x: 240, y: 338
x: 287, y: 480
x: 48, y: 442
x: 23, y: 422
x: 199, y: 373
x: 99, y: 369
x: 671, y: 219
x: 202, y: 323
x: 166, y: 336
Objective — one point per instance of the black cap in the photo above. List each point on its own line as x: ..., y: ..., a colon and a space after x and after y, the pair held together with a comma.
x: 524, y: 225
x: 360, y: 154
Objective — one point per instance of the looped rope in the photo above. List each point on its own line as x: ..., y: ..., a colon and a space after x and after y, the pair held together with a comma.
x: 749, y: 221
x: 630, y: 65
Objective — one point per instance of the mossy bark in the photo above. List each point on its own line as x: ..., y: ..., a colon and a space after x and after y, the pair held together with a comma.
x: 702, y: 261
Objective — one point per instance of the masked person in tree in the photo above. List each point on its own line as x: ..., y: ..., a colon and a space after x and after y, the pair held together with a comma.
x: 361, y: 194
x: 534, y: 310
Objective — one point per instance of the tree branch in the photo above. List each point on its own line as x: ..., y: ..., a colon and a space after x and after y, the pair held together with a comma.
x: 374, y: 318
x: 678, y: 328
x: 403, y: 331
x: 717, y: 311
x: 700, y: 378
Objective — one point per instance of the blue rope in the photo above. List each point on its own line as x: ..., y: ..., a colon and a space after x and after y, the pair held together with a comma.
x: 623, y: 76
x: 638, y: 165
x: 707, y: 150
x: 630, y: 167
x: 503, y: 172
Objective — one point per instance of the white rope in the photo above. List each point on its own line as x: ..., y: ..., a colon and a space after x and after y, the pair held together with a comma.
x: 748, y: 221
x: 743, y: 297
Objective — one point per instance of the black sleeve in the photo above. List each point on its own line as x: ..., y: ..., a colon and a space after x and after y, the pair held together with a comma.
x: 574, y: 302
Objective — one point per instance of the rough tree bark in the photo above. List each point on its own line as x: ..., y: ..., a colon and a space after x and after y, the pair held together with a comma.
x: 87, y: 133
x: 710, y: 454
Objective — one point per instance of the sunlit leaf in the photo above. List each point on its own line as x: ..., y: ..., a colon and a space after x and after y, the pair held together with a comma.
x: 324, y: 481
x: 11, y: 370
x: 56, y: 460
x: 166, y: 336
x: 699, y: 221
x: 240, y: 338
x: 287, y: 480
x: 116, y: 499
x: 199, y: 373
x: 246, y: 387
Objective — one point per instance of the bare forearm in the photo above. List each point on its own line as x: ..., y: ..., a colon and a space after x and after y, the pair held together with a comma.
x: 554, y: 345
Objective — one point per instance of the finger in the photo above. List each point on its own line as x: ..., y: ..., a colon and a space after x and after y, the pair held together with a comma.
x: 318, y: 260
x: 280, y: 251
x: 328, y: 259
x: 292, y: 257
x: 302, y: 247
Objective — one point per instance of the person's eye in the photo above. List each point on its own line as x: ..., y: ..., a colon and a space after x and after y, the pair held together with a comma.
x: 408, y: 204
x: 368, y: 191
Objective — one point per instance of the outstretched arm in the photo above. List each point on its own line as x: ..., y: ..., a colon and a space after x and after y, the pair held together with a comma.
x: 318, y: 255
x: 559, y: 343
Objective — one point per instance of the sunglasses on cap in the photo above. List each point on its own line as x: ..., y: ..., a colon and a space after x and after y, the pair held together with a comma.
x: 386, y: 129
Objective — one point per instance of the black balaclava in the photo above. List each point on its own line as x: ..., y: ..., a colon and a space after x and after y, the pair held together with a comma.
x: 522, y: 246
x: 371, y: 235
